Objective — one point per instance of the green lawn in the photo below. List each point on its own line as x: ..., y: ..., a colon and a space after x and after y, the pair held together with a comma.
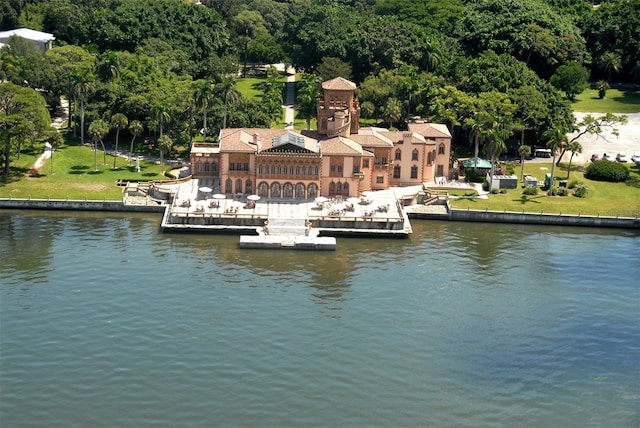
x: 618, y: 100
x: 247, y: 86
x: 74, y: 177
x: 606, y: 199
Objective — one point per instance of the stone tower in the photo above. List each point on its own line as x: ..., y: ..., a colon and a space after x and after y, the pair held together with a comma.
x: 339, y: 112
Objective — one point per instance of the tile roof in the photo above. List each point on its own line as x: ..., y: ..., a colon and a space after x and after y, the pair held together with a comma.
x: 341, y: 146
x: 339, y: 84
x: 433, y: 130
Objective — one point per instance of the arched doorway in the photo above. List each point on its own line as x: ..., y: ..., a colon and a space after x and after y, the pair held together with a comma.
x: 312, y: 193
x: 248, y: 187
x: 263, y: 190
x: 287, y: 190
x: 275, y: 190
x: 238, y: 186
x: 300, y: 191
x: 228, y: 186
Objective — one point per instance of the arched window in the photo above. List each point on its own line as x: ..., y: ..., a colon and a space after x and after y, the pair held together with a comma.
x: 345, y: 189
x: 414, y: 172
x: 441, y: 149
x: 248, y: 187
x: 313, y: 191
x: 238, y: 186
x: 287, y: 190
x: 316, y: 171
x: 304, y: 170
x: 396, y: 171
x: 414, y: 155
x: 260, y: 169
x: 398, y: 154
x: 332, y: 188
x: 273, y: 169
x: 429, y: 159
x: 228, y: 186
x: 300, y: 191
x: 263, y: 190
x: 339, y: 188
x: 275, y: 190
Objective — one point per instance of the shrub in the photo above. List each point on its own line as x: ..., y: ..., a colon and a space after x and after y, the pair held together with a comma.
x: 485, y: 185
x: 494, y: 191
x: 510, y: 169
x: 605, y: 170
x: 580, y: 190
x: 530, y: 191
x: 562, y: 191
x: 573, y: 183
x: 503, y: 191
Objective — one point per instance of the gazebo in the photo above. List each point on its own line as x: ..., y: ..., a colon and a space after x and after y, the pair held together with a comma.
x: 482, y: 166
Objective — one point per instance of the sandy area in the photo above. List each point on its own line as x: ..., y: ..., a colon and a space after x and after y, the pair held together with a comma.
x: 627, y: 142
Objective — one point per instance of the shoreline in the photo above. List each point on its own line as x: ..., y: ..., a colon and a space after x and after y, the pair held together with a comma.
x: 412, y: 212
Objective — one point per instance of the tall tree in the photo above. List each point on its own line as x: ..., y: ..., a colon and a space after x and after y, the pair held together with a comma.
x: 570, y: 78
x: 165, y: 144
x: 226, y: 89
x: 55, y: 140
x: 392, y: 111
x: 555, y: 137
x: 610, y: 61
x: 82, y: 86
x: 160, y: 113
x: 204, y: 91
x: 136, y: 128
x: 23, y: 115
x: 120, y: 122
x: 98, y: 130
x: 307, y: 98
x: 523, y: 151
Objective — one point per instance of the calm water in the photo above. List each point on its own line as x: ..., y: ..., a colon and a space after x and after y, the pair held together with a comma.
x: 105, y: 321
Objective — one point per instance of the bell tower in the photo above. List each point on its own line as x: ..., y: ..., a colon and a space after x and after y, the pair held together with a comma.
x: 339, y: 112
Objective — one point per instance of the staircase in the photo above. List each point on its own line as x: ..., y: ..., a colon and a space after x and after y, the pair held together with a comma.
x: 287, y: 227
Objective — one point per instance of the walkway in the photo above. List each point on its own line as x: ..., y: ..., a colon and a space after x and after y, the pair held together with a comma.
x: 289, y: 112
x: 58, y: 122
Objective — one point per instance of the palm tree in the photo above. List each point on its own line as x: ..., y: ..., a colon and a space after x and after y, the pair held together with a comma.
x: 308, y: 95
x: 135, y: 127
x: 55, y: 141
x: 226, y: 89
x: 523, y: 151
x: 118, y: 121
x: 160, y: 113
x: 203, y: 95
x: 555, y: 138
x: 108, y: 67
x: 495, y: 144
x: 574, y: 147
x: 392, y: 111
x: 165, y: 144
x: 610, y: 61
x: 82, y: 85
x: 98, y: 130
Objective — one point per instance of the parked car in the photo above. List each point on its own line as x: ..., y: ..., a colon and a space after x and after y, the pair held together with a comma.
x: 636, y: 158
x: 595, y: 157
x: 621, y: 157
x: 608, y: 156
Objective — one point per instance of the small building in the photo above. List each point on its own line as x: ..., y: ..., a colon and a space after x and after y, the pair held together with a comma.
x: 43, y: 41
x: 503, y: 181
x: 530, y: 181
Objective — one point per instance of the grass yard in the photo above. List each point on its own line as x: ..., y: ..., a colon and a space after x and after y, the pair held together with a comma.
x: 604, y: 198
x: 74, y: 177
x: 618, y: 100
x: 247, y: 86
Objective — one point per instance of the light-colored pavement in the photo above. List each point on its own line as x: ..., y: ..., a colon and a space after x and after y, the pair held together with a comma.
x: 289, y: 112
x: 627, y: 142
x: 57, y: 122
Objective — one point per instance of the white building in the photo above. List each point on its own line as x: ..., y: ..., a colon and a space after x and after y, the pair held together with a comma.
x: 43, y: 41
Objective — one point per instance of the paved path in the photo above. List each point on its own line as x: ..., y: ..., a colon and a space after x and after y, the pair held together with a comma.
x: 57, y: 122
x: 289, y: 112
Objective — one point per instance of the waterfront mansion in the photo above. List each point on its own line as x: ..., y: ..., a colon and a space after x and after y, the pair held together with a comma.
x: 339, y: 159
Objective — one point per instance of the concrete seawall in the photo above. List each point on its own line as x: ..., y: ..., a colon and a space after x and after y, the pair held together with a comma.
x: 531, y: 218
x: 78, y: 205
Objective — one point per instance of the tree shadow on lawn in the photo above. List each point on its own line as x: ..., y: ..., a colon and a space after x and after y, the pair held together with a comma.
x: 78, y: 169
x: 527, y: 198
